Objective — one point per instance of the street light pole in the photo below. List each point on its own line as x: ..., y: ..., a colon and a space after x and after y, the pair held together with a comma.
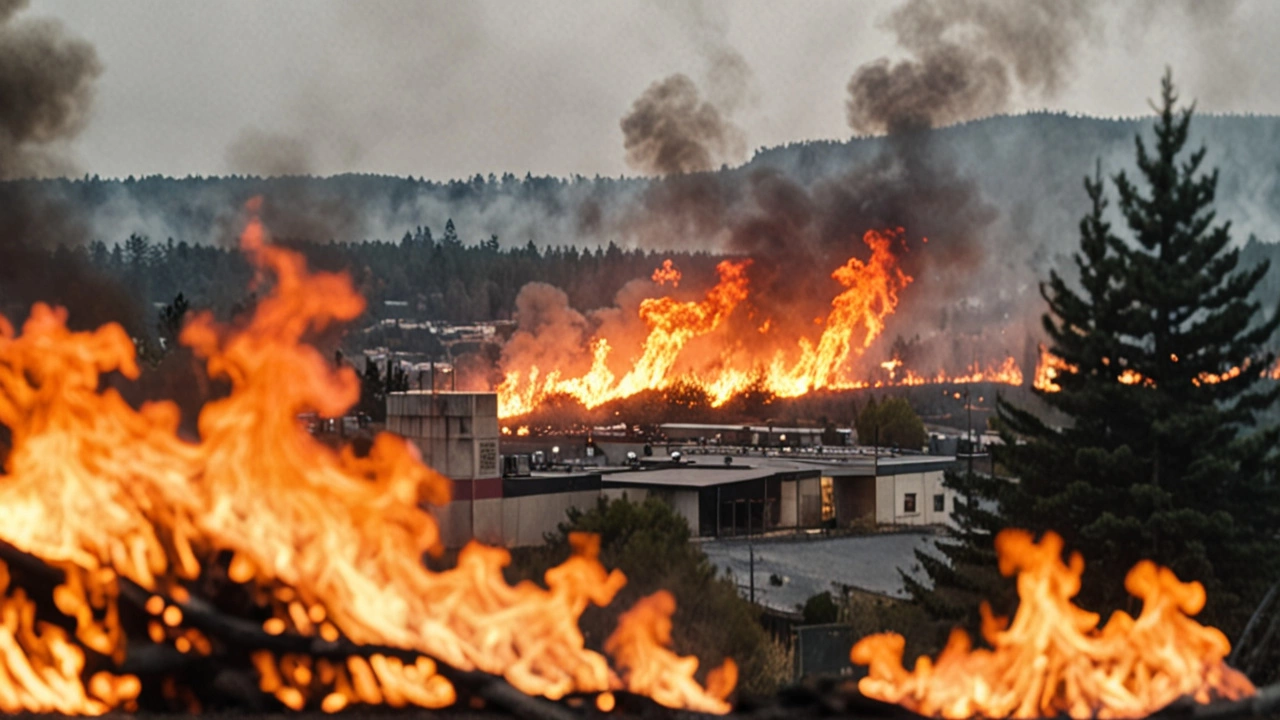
x: 751, y: 556
x: 968, y: 406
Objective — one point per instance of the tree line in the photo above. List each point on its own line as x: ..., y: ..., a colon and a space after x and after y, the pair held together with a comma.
x: 440, y: 277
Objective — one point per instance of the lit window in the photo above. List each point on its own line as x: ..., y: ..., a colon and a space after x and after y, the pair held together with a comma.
x: 939, y: 503
x: 909, y: 503
x: 828, y: 498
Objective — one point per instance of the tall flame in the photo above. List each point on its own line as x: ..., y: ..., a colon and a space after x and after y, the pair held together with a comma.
x: 1052, y: 659
x: 856, y: 318
x: 334, y: 541
x: 671, y: 325
x: 871, y: 294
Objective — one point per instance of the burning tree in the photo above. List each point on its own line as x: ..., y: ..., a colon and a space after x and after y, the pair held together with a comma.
x: 1158, y: 353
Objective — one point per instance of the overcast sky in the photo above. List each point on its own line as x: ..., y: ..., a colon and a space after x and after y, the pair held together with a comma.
x: 448, y: 89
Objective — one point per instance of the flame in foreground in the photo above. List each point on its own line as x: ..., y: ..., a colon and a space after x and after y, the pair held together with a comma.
x: 330, y: 543
x: 856, y: 318
x: 640, y: 646
x: 1052, y: 659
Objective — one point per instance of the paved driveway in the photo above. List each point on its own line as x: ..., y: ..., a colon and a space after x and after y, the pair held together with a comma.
x: 808, y: 567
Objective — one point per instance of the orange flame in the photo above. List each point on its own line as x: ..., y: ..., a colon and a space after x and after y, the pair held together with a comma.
x: 1053, y: 659
x: 333, y: 542
x: 40, y: 667
x: 856, y: 319
x: 667, y: 273
x: 671, y: 324
x: 640, y: 646
x: 1006, y: 373
x: 871, y: 294
x: 1051, y: 367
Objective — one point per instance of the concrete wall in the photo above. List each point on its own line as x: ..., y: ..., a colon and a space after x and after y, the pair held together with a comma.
x: 788, y: 504
x: 457, y: 433
x: 523, y: 521
x: 810, y: 502
x: 686, y: 504
x: 634, y: 494
x: 683, y: 500
x: 891, y: 499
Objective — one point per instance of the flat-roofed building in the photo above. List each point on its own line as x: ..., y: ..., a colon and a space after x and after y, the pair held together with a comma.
x: 719, y: 495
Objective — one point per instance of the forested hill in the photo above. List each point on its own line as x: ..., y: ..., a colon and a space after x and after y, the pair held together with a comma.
x: 1027, y: 168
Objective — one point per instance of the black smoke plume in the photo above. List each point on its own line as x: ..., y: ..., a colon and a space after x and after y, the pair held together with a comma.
x: 966, y: 59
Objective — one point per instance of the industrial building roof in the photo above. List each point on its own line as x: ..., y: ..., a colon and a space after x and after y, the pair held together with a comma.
x: 705, y: 472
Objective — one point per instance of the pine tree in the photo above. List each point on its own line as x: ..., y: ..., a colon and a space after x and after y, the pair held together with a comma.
x: 1212, y: 506
x: 1162, y: 355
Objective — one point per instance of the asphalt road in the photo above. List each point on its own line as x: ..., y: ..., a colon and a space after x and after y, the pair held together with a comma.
x: 810, y: 566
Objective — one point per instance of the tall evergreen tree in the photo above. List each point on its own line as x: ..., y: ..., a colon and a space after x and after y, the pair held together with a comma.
x: 1161, y: 355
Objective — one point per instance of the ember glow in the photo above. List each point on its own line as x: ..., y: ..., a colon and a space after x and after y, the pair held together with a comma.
x: 331, y: 543
x: 822, y: 359
x: 1051, y: 367
x: 1052, y: 658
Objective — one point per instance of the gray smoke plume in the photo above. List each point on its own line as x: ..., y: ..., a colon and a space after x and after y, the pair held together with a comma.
x: 673, y: 127
x: 46, y: 80
x: 269, y: 154
x: 672, y: 130
x: 967, y: 57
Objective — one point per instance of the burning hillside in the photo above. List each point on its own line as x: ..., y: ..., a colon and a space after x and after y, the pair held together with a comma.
x: 731, y: 341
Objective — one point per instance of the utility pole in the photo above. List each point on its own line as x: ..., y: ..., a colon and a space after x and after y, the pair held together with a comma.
x: 751, y: 556
x: 875, y: 456
x: 968, y: 407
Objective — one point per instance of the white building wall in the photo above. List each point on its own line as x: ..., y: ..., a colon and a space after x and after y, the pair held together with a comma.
x: 934, y: 490
x: 891, y: 499
x: 486, y: 523
x: 884, y: 500
x: 454, y: 521
x: 909, y: 483
x: 685, y: 503
x: 526, y: 520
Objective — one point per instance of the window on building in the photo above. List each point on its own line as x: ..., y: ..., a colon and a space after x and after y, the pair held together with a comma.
x: 828, y: 498
x: 909, y: 503
x: 939, y: 503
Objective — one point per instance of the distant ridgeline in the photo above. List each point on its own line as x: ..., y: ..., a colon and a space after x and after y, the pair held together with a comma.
x: 461, y: 250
